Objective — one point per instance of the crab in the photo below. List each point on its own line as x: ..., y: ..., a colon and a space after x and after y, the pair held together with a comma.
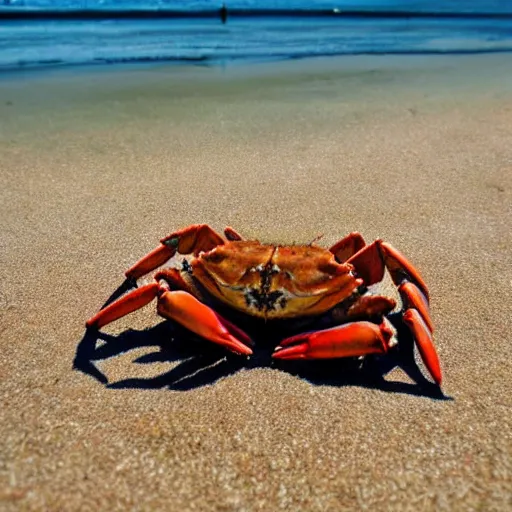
x: 288, y: 283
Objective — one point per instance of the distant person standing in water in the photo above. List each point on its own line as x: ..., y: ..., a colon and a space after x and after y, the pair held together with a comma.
x: 224, y: 13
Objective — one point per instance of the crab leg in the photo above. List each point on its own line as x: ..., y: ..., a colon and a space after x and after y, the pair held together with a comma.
x: 366, y: 306
x: 232, y: 235
x: 347, y: 247
x: 413, y: 298
x: 417, y: 318
x: 126, y: 304
x: 370, y: 263
x: 371, y: 260
x: 423, y: 337
x: 348, y: 340
x: 181, y: 307
x: 174, y: 280
x: 192, y: 239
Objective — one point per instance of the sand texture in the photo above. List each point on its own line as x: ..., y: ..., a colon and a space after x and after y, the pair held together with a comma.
x: 97, y: 166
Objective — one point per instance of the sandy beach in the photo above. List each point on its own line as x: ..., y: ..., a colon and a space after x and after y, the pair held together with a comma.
x: 97, y: 165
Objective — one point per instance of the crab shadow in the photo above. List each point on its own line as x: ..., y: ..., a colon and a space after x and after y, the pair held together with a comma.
x: 196, y: 363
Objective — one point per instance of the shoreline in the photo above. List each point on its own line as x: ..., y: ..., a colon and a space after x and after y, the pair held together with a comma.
x: 219, y: 63
x: 241, y: 67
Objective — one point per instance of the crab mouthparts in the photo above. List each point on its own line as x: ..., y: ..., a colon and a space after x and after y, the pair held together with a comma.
x: 263, y: 299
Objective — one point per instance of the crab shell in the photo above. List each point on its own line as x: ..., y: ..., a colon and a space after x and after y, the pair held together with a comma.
x: 272, y: 281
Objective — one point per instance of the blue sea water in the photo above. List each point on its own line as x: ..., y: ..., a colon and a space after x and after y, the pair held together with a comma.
x: 110, y: 31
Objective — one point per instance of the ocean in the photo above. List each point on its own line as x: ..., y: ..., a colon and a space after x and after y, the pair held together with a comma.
x: 42, y: 33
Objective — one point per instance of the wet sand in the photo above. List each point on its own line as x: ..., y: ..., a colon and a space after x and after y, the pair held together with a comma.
x: 98, y: 165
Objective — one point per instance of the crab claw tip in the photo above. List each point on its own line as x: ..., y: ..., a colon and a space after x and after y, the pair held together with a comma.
x: 237, y: 347
x: 293, y: 352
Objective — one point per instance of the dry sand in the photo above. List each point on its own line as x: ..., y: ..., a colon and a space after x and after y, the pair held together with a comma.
x: 96, y: 166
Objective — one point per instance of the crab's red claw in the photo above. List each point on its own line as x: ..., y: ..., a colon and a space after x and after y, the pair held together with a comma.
x: 128, y: 303
x: 423, y: 338
x: 151, y: 261
x: 348, y: 340
x: 197, y: 317
x: 235, y: 330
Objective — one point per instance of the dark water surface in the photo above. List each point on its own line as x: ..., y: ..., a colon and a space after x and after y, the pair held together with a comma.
x: 37, y: 33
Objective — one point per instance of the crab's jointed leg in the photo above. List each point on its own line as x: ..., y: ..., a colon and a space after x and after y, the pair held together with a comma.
x: 366, y: 306
x: 192, y: 239
x: 174, y: 280
x: 371, y: 260
x: 413, y: 298
x: 347, y: 340
x: 423, y: 337
x: 348, y: 246
x: 128, y: 303
x: 181, y: 307
x: 232, y: 235
x: 370, y: 263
